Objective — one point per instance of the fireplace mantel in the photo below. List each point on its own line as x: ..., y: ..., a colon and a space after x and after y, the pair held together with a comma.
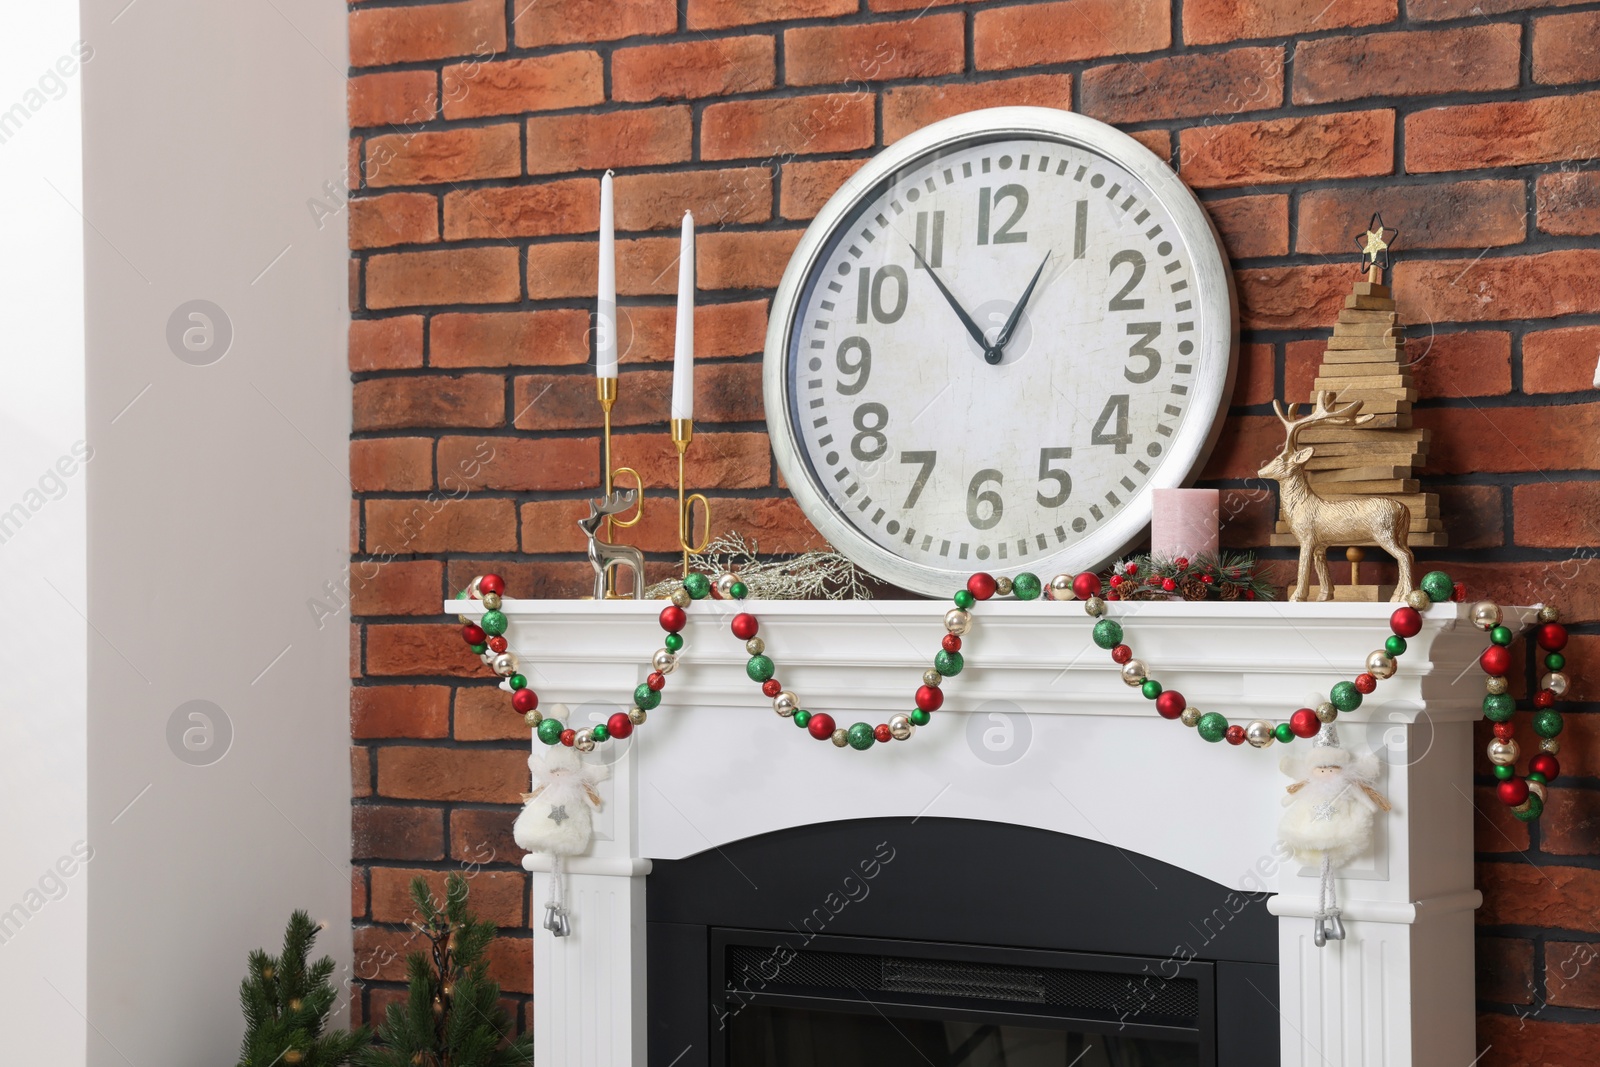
x: 1038, y: 730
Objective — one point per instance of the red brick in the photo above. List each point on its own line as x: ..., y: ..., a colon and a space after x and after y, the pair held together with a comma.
x: 1461, y: 59
x: 1187, y: 86
x: 1357, y: 144
x: 552, y: 580
x: 1474, y: 515
x: 691, y: 69
x: 716, y: 197
x: 1531, y: 1040
x: 1494, y: 828
x: 494, y: 896
x: 1158, y: 141
x: 1560, y: 361
x: 400, y: 98
x: 1506, y: 287
x: 1551, y: 514
x: 402, y: 650
x: 1252, y: 226
x: 559, y: 337
x: 509, y: 87
x: 1460, y: 9
x: 400, y: 710
x: 550, y: 526
x: 472, y: 775
x: 1292, y: 298
x: 645, y: 266
x: 390, y: 832
x: 807, y: 186
x: 1495, y: 440
x: 391, y: 464
x: 444, y: 156
x: 743, y: 260
x: 1460, y: 364
x: 1505, y: 970
x: 484, y: 836
x: 352, y: 163
x: 909, y: 5
x: 435, y: 400
x: 1253, y: 381
x: 718, y: 14
x: 638, y: 138
x: 1511, y: 133
x: 509, y: 962
x: 647, y: 334
x: 360, y: 770
x: 727, y: 392
x: 484, y: 713
x: 447, y: 276
x: 526, y: 464
x: 1565, y: 49
x: 1523, y: 895
x: 792, y: 126
x: 1251, y: 440
x: 1570, y: 826
x: 572, y: 21
x: 1219, y: 21
x: 385, y: 344
x: 398, y: 587
x: 908, y: 108
x: 1300, y: 362
x: 431, y: 31
x: 775, y: 524
x: 439, y: 525
x: 1471, y: 214
x: 504, y: 211
x: 396, y: 219
x: 1571, y: 970
x: 919, y: 47
x: 380, y: 956
x: 358, y: 910
x: 1035, y: 34
x: 724, y: 460
x: 1569, y: 203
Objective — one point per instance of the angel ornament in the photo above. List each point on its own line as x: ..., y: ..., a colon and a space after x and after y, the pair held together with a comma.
x: 557, y: 818
x: 1328, y: 816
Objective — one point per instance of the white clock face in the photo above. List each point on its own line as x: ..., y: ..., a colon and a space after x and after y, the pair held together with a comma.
x: 994, y: 354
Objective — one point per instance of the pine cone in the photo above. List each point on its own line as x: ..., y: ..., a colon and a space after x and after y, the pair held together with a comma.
x: 1229, y: 591
x: 1193, y: 589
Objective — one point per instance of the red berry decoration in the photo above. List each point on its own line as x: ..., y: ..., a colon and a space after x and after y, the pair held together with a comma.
x: 1552, y: 637
x: 1170, y: 704
x: 930, y: 697
x: 1513, y: 791
x: 1208, y: 579
x: 1304, y: 723
x: 568, y: 737
x: 744, y: 626
x: 951, y: 643
x: 497, y: 644
x: 820, y: 726
x: 1505, y: 731
x: 771, y: 687
x: 525, y: 700
x: 1121, y: 654
x: 473, y: 634
x: 1496, y: 659
x: 881, y: 732
x: 1406, y: 622
x: 1181, y: 562
x: 656, y: 681
x: 1131, y: 569
x: 491, y: 583
x: 1086, y: 585
x: 619, y: 725
x: 1458, y: 592
x: 1544, y: 698
x: 673, y: 618
x: 982, y: 586
x: 1365, y: 683
x: 1546, y: 764
x: 1168, y: 584
x: 1235, y: 734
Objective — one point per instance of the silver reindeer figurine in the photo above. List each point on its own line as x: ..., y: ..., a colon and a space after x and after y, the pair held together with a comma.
x: 602, y: 554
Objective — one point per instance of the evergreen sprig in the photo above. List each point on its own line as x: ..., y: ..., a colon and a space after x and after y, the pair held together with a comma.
x: 286, y: 1006
x: 1231, y: 576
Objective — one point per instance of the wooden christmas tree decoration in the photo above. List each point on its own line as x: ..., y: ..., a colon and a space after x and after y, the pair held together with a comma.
x: 1364, y: 361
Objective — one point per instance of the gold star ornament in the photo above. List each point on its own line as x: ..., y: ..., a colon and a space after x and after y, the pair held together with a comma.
x: 1374, y: 247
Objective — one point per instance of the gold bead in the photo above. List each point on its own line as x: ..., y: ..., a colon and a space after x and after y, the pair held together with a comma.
x: 1550, y: 745
x: 1486, y: 615
x: 637, y: 716
x: 1002, y: 586
x: 1549, y: 613
x: 1522, y: 808
x: 957, y: 621
x: 1259, y: 733
x: 1134, y: 673
x: 931, y: 677
x: 681, y: 597
x: 841, y: 737
x: 1556, y: 682
x: 1326, y: 712
x: 900, y: 728
x: 584, y: 743
x: 534, y: 717
x: 1190, y: 716
x: 1419, y: 600
x: 664, y: 661
x: 1380, y: 664
x: 755, y: 646
x: 1504, y: 752
x: 1061, y: 587
x: 1496, y: 684
x: 491, y: 602
x: 1095, y: 606
x: 785, y: 703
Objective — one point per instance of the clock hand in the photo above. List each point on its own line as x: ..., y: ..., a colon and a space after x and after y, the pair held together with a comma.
x: 966, y: 320
x: 1016, y: 313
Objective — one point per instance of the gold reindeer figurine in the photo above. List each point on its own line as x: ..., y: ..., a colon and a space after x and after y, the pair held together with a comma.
x: 1320, y: 524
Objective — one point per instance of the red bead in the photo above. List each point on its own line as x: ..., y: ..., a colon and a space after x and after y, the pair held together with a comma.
x: 656, y: 681
x: 473, y: 634
x: 619, y: 725
x: 1496, y: 659
x: 1168, y: 584
x: 491, y: 583
x: 1546, y: 764
x: 982, y: 585
x: 951, y: 643
x: 1544, y: 698
x: 929, y: 697
x: 1116, y: 580
x: 1305, y: 723
x: 1366, y: 683
x: 1121, y: 654
x: 1170, y: 704
x: 744, y: 626
x: 1086, y: 585
x: 673, y: 618
x: 1235, y: 734
x: 1406, y: 622
x: 1552, y: 636
x: 820, y: 726
x: 497, y: 644
x: 1505, y: 731
x: 771, y: 687
x: 881, y: 733
x: 525, y: 700
x: 1513, y: 791
x: 568, y: 737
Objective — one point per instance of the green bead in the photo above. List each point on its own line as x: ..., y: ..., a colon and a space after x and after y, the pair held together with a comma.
x: 1547, y: 723
x: 1026, y: 586
x: 861, y: 737
x: 479, y: 649
x: 550, y: 731
x: 494, y: 623
x: 759, y: 668
x: 518, y: 681
x: 1498, y: 707
x: 1536, y: 777
x: 645, y: 697
x: 1283, y: 733
x: 964, y: 599
x: 1213, y: 726
x: 1151, y: 689
x: 1554, y: 661
x: 698, y: 585
x: 919, y: 717
x: 1395, y: 646
x: 1502, y: 772
x: 461, y: 595
x: 738, y: 590
x: 1438, y: 586
x: 1345, y: 696
x: 948, y: 664
x: 1502, y: 635
x: 1108, y: 633
x: 600, y: 733
x: 802, y: 717
x: 674, y: 642
x: 1535, y: 809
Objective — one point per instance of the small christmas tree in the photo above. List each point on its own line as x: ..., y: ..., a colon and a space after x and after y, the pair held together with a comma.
x: 286, y: 1006
x: 452, y: 1017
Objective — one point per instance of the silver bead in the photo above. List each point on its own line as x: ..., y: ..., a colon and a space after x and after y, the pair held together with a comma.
x: 1556, y: 682
x: 724, y: 585
x: 841, y: 737
x: 1061, y: 587
x: 1486, y: 615
x: 491, y: 602
x: 1537, y: 789
x: 1095, y: 606
x: 1549, y: 614
x: 901, y: 728
x: 957, y: 621
x: 534, y: 717
x: 785, y: 703
x: 1380, y: 664
x: 681, y: 597
x: 1550, y: 745
x: 472, y: 588
x: 505, y: 665
x: 1190, y: 716
x: 1134, y: 672
x: 1504, y: 752
x: 755, y: 646
x: 664, y: 661
x: 584, y: 743
x: 1259, y: 733
x: 1419, y: 600
x: 637, y: 716
x: 1497, y: 684
x: 1002, y: 586
x: 1326, y: 712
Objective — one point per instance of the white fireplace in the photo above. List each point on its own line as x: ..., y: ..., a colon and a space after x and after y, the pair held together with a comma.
x: 1038, y: 730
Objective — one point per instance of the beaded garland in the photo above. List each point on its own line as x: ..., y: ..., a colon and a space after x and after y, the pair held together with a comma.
x: 1524, y: 795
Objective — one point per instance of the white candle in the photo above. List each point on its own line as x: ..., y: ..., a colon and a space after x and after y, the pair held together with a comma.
x: 683, y: 352
x: 605, y: 325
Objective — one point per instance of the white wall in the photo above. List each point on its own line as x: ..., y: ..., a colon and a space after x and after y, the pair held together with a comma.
x: 218, y: 504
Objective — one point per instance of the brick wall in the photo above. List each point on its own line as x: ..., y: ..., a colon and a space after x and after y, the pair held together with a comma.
x: 480, y: 128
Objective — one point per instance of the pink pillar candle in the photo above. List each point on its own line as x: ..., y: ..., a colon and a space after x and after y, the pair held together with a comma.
x: 1184, y: 523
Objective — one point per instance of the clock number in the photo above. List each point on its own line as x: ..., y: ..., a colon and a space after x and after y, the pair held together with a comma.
x: 1002, y: 236
x: 930, y: 253
x: 977, y: 495
x: 1122, y: 302
x: 861, y: 368
x: 927, y: 460
x: 1116, y: 407
x: 1147, y: 332
x: 1080, y: 232
x: 874, y: 302
x: 870, y: 443
x: 1048, y: 473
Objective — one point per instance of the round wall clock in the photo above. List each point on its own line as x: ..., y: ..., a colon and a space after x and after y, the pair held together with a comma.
x: 992, y: 344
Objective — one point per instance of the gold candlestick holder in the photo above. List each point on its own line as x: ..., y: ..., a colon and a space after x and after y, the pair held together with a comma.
x: 606, y: 390
x: 682, y: 435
